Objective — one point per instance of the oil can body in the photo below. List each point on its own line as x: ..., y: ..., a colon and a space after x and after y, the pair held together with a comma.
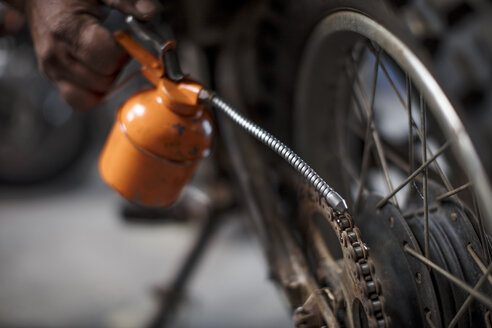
x: 155, y: 145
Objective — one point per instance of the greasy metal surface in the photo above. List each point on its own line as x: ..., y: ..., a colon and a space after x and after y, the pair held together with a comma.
x: 386, y: 233
x: 358, y: 276
x: 446, y: 245
x: 159, y: 136
x: 452, y: 230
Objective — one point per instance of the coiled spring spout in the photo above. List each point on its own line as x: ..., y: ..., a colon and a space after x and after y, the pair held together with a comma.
x: 339, y: 204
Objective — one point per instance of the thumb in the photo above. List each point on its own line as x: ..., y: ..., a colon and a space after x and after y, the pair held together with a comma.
x: 141, y: 9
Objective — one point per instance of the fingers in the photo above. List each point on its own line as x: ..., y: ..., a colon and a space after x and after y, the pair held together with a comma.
x: 86, y: 78
x: 141, y: 9
x: 94, y: 46
x: 83, y: 64
x: 79, y: 98
x: 65, y: 67
x: 81, y: 87
x: 75, y: 50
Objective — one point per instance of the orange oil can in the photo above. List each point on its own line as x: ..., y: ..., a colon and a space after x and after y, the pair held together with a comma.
x: 159, y: 136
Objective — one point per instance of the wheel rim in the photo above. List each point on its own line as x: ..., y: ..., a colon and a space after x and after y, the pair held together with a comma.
x: 348, y: 28
x: 423, y: 79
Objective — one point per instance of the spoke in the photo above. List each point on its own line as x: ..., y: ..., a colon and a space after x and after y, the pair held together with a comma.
x: 468, y: 300
x: 413, y: 175
x: 396, y: 91
x: 384, y: 164
x: 429, y: 319
x: 370, y: 128
x: 380, y: 150
x: 391, y: 155
x: 483, y: 241
x: 452, y: 192
x: 426, y: 175
x: 367, y: 143
x: 477, y: 260
x: 411, y: 122
x: 375, y: 135
x: 444, y: 179
x: 410, y: 125
x: 463, y: 285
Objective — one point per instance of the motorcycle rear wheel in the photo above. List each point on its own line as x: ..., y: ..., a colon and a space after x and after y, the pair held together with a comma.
x: 305, y: 96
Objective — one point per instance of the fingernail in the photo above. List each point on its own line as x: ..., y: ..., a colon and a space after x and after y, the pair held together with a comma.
x: 146, y: 8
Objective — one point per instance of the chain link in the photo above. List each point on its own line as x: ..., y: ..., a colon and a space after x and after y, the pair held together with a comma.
x: 360, y: 266
x: 356, y: 253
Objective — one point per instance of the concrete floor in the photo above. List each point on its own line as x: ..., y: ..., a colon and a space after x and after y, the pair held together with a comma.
x: 67, y: 259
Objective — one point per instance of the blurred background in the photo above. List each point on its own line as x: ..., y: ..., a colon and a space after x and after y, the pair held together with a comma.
x: 72, y: 252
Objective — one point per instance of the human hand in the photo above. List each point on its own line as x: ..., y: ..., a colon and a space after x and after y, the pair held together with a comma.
x: 74, y: 50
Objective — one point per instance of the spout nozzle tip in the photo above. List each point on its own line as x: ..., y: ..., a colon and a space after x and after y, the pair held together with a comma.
x: 337, y: 202
x: 341, y: 207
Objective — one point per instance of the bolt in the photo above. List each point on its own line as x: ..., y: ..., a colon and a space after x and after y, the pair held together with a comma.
x: 418, y: 278
x: 454, y: 216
